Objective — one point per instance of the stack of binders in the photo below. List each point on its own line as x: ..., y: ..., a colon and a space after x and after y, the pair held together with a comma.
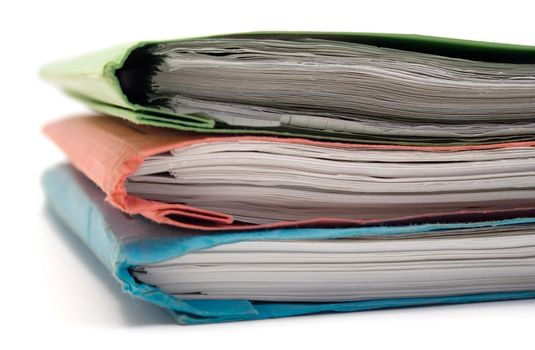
x: 263, y: 175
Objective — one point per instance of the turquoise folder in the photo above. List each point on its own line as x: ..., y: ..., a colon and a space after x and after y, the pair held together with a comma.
x: 122, y: 242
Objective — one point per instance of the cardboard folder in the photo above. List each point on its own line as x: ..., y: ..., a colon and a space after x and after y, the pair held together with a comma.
x: 95, y: 80
x: 108, y: 150
x: 122, y: 243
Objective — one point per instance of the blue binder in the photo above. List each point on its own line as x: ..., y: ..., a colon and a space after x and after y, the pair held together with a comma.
x: 122, y: 242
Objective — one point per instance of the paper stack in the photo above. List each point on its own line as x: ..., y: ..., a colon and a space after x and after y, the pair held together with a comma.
x: 296, y: 173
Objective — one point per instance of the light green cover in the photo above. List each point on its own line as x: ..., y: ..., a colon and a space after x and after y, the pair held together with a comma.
x: 92, y: 78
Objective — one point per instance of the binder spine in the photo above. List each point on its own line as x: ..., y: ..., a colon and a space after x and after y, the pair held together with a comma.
x: 75, y: 209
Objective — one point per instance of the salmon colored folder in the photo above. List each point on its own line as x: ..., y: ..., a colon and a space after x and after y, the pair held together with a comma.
x: 108, y: 150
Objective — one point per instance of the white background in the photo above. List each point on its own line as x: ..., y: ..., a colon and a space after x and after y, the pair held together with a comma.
x: 55, y: 293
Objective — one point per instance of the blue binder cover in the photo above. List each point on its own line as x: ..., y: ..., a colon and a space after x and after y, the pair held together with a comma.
x: 122, y: 242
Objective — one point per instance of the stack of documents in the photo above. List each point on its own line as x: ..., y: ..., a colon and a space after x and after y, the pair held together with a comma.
x: 295, y: 173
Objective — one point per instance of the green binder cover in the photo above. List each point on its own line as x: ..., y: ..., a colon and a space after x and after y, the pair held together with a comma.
x: 93, y: 79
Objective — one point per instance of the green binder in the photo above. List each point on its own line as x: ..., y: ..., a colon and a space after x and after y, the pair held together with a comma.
x: 94, y: 79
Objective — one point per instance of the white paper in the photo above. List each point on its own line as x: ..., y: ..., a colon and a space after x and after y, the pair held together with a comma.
x: 263, y: 182
x: 450, y: 263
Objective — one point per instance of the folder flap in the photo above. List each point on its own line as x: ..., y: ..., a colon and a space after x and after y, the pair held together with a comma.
x: 108, y: 150
x: 92, y: 75
x: 73, y: 202
x: 137, y: 116
x: 92, y: 79
x: 80, y: 206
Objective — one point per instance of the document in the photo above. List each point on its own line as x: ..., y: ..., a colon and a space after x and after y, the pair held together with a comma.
x: 263, y: 182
